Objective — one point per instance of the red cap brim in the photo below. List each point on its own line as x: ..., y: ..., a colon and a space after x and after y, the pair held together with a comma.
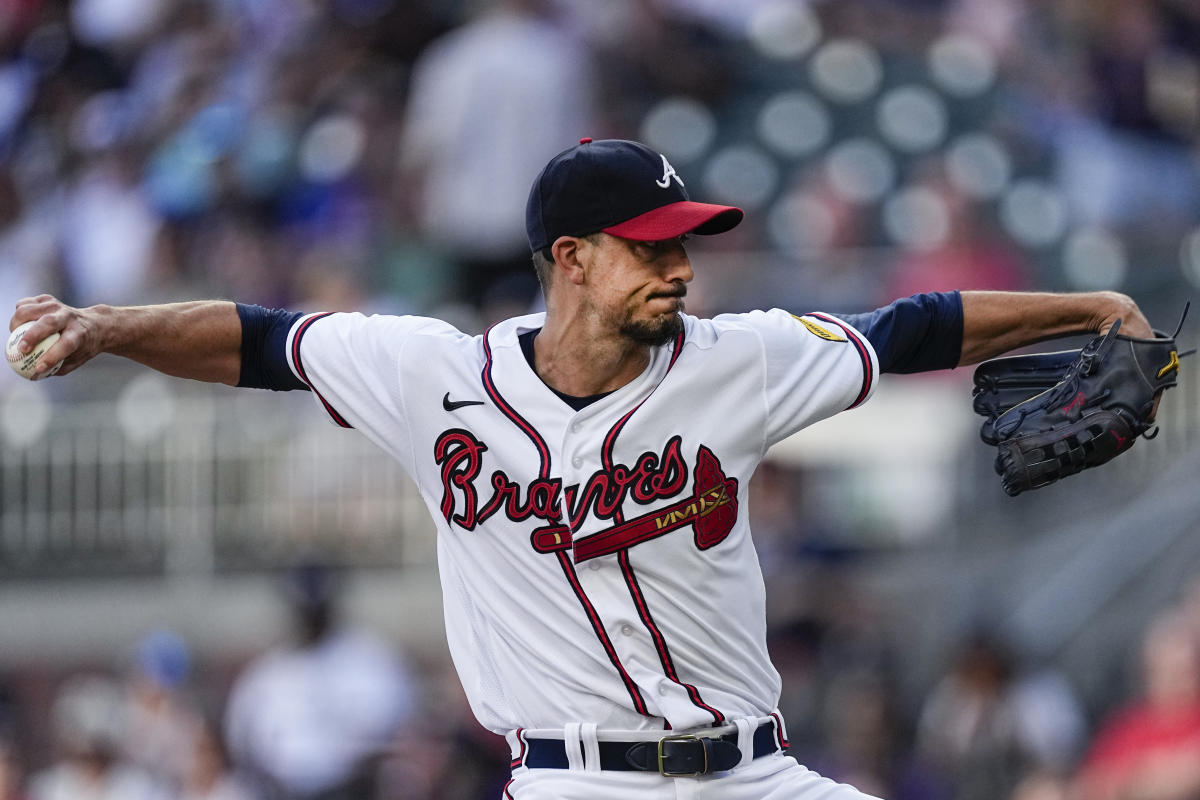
x: 676, y: 219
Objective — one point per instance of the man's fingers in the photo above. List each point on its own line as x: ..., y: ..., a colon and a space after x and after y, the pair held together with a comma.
x: 43, y: 327
x: 28, y: 308
x: 68, y: 344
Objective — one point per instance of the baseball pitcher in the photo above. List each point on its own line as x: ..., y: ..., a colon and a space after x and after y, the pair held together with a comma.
x: 587, y: 467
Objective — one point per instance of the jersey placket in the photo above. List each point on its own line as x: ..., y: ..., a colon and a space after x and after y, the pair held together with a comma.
x: 547, y: 467
x: 634, y: 624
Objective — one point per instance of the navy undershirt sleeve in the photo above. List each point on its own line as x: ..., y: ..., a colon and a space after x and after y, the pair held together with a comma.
x: 915, y: 334
x: 264, y: 348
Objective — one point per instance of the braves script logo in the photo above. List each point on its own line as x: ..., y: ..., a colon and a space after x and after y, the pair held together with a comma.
x: 710, y: 508
x: 668, y: 173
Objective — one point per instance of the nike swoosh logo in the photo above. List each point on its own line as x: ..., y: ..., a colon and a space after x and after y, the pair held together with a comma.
x: 454, y: 405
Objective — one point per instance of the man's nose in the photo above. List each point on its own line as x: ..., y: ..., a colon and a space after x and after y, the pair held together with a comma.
x: 678, y: 267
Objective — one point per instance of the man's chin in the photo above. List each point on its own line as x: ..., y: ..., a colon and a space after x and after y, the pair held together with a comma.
x: 654, y: 332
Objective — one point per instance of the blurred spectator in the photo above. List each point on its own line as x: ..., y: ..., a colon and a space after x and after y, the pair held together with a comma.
x: 863, y: 748
x: 1129, y: 158
x: 28, y: 257
x: 1041, y: 786
x: 310, y: 720
x: 10, y: 772
x: 984, y: 725
x: 208, y: 774
x: 159, y: 730
x: 490, y: 103
x: 108, y: 236
x: 89, y: 723
x: 449, y: 755
x: 1151, y: 749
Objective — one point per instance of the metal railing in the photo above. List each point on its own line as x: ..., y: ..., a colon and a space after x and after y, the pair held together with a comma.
x: 162, y: 482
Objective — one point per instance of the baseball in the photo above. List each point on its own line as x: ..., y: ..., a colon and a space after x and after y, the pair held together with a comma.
x: 23, y: 365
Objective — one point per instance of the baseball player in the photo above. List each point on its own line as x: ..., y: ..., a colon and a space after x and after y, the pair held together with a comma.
x: 587, y: 468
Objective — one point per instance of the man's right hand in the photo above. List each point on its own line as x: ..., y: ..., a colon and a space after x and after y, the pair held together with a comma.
x: 200, y: 340
x: 78, y: 339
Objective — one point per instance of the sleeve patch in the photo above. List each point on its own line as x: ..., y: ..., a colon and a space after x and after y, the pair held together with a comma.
x: 818, y: 331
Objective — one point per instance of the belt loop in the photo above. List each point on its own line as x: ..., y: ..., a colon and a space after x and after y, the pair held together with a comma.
x: 745, y: 740
x: 573, y: 745
x: 591, y: 747
x: 780, y: 730
x: 517, y: 746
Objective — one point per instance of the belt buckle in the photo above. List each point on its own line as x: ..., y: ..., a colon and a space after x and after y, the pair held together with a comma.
x: 680, y: 737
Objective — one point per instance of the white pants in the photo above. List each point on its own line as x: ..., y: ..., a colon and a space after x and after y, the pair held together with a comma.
x: 773, y: 777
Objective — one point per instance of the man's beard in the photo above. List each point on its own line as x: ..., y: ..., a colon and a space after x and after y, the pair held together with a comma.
x: 654, y: 332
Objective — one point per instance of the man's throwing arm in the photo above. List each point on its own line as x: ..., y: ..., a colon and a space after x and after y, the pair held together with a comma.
x: 216, y: 341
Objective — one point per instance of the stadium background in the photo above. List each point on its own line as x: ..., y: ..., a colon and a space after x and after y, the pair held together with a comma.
x: 937, y: 639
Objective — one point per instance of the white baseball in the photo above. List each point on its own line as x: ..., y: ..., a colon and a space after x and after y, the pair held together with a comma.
x: 23, y: 364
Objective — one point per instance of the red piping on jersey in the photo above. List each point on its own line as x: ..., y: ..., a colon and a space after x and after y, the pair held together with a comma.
x: 635, y: 592
x: 568, y: 569
x: 304, y: 326
x: 510, y: 412
x: 863, y: 353
x: 508, y: 796
x: 660, y: 643
x: 564, y: 560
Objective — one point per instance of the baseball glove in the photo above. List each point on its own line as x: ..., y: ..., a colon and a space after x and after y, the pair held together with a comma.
x: 1051, y: 415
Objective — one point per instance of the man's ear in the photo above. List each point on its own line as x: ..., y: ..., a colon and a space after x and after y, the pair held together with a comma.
x: 571, y: 256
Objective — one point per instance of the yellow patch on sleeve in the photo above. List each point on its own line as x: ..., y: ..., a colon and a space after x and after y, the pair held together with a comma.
x: 818, y: 331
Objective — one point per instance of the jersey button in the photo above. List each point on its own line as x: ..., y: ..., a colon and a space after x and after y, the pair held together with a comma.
x: 594, y: 565
x: 577, y: 462
x: 575, y: 426
x: 662, y: 688
x: 627, y: 630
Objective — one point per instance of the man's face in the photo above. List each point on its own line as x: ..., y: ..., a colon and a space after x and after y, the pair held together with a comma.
x: 637, y: 288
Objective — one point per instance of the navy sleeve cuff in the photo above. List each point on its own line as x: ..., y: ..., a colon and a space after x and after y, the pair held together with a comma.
x: 264, y: 349
x: 915, y: 334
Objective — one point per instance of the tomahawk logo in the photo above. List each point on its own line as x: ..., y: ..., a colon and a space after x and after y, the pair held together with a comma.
x: 668, y: 173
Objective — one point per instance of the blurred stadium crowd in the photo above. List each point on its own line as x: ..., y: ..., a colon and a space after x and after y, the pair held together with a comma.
x: 376, y: 154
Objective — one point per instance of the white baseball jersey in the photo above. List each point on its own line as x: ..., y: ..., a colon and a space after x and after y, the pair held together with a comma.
x: 596, y: 565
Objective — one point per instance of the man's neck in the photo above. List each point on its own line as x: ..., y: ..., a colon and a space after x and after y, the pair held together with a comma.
x: 578, y: 363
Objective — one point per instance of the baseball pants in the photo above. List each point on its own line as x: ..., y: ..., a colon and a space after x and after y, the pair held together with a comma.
x: 773, y: 777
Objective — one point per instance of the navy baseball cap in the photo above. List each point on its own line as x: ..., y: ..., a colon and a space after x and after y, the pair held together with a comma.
x: 618, y: 187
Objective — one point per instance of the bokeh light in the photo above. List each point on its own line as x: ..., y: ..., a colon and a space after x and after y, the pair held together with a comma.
x: 680, y: 127
x: 1094, y: 258
x: 861, y: 170
x: 25, y: 413
x: 332, y: 148
x: 1034, y: 212
x: 1189, y: 256
x: 978, y: 165
x: 801, y: 222
x: 741, y: 175
x: 794, y: 124
x: 784, y: 29
x: 912, y: 118
x: 145, y: 407
x: 847, y: 70
x: 962, y: 65
x: 916, y: 218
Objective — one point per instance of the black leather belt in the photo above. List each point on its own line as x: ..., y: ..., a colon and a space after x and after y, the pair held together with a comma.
x: 681, y: 755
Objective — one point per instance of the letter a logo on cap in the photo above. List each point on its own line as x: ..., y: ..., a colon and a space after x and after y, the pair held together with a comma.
x: 668, y: 173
